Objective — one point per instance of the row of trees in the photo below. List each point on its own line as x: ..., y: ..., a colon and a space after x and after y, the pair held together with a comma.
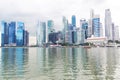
x: 116, y: 41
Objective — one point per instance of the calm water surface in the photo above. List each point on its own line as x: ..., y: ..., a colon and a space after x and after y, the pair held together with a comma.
x: 59, y: 64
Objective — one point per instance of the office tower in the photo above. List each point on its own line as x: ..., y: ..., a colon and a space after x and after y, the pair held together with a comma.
x: 101, y: 30
x: 96, y: 26
x: 4, y: 33
x: 69, y: 36
x: 108, y: 24
x: 49, y: 29
x: 60, y: 36
x: 79, y: 37
x: 20, y: 34
x: 50, y: 25
x: 53, y: 37
x: 65, y: 24
x: 41, y: 33
x: 74, y: 34
x: 11, y: 32
x: 90, y: 27
x: 115, y: 32
x: 84, y: 27
x: 26, y: 38
x: 44, y: 32
x: 74, y: 20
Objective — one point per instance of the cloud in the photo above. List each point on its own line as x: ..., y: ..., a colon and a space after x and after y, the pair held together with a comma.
x: 30, y: 11
x: 95, y: 2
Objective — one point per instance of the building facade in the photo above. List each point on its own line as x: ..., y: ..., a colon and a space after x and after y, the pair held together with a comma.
x: 41, y: 33
x: 73, y: 20
x: 4, y: 33
x: 12, y: 35
x: 84, y: 27
x: 96, y: 26
x: 108, y: 24
x: 20, y: 34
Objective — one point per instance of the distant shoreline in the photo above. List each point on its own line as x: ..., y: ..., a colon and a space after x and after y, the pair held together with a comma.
x: 53, y: 46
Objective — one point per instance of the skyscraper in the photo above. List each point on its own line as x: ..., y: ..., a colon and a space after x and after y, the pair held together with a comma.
x: 20, y: 34
x: 50, y: 25
x: 74, y: 33
x: 108, y: 24
x: 74, y: 20
x: 70, y: 37
x: 49, y: 28
x: 41, y: 33
x: 96, y: 26
x: 4, y: 33
x: 65, y: 24
x: 26, y: 38
x: 90, y: 27
x: 101, y: 30
x: 11, y: 31
x: 84, y: 27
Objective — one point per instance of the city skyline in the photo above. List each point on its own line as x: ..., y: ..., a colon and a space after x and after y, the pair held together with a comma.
x: 30, y: 11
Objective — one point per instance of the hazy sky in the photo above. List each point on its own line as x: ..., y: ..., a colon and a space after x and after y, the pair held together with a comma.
x: 30, y: 11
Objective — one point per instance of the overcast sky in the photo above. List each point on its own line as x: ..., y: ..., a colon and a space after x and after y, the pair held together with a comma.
x: 30, y: 11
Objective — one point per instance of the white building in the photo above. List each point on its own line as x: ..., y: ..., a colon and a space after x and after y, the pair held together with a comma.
x: 101, y: 30
x: 116, y: 32
x: 97, y: 40
x: 108, y: 24
x: 32, y: 40
x: 41, y: 33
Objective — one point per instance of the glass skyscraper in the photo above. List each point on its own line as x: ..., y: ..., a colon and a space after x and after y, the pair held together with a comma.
x: 4, y: 33
x: 74, y: 20
x: 84, y: 27
x: 50, y: 25
x: 11, y: 31
x: 13, y: 34
x: 26, y: 38
x: 96, y: 26
x: 74, y: 33
x: 20, y: 34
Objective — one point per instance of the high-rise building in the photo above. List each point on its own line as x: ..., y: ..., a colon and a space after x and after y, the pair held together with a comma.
x: 11, y: 32
x: 41, y: 33
x: 80, y: 36
x: 50, y: 25
x: 49, y: 29
x: 4, y: 33
x: 101, y: 30
x: 69, y: 35
x: 115, y: 32
x: 26, y: 38
x: 96, y: 26
x: 65, y: 24
x: 90, y: 27
x: 74, y: 20
x: 84, y: 27
x: 108, y: 24
x: 20, y: 34
x: 53, y: 37
x: 74, y: 34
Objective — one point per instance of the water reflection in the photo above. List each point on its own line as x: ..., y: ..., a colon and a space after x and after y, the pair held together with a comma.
x: 59, y: 64
x: 13, y: 63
